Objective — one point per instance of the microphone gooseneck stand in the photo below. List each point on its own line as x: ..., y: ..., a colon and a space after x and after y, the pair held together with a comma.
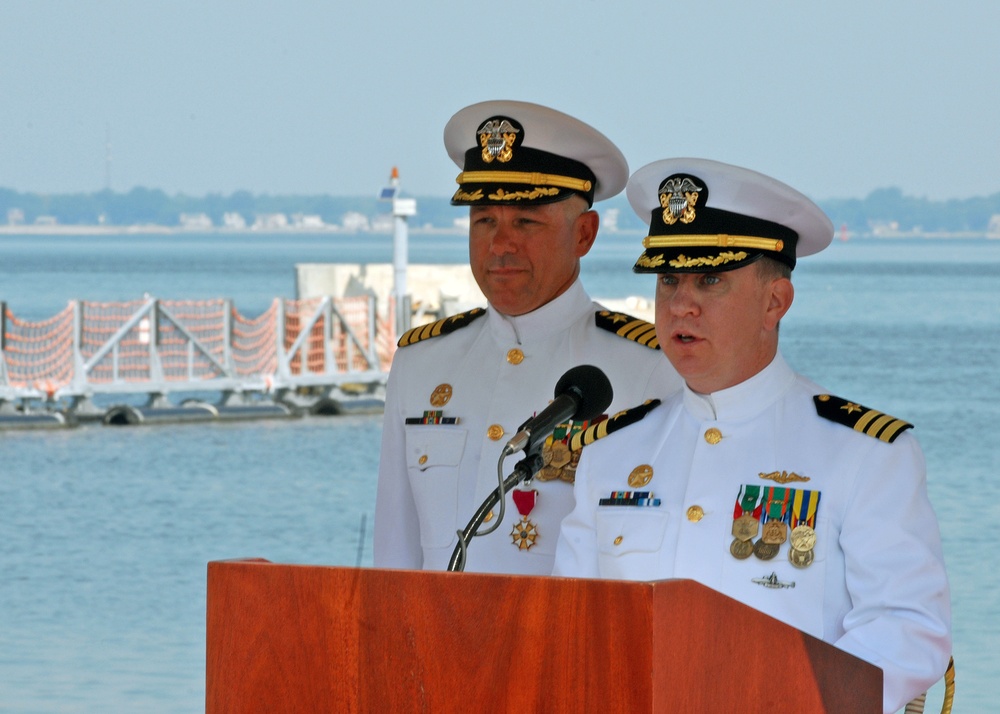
x: 523, y: 471
x: 581, y: 394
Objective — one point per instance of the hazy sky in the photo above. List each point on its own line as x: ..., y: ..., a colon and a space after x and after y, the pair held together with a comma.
x: 305, y: 96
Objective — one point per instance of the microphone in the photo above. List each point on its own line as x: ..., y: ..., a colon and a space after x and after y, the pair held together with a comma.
x: 583, y: 393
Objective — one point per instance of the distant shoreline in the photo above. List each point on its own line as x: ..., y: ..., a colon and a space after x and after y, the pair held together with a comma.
x: 66, y: 230
x: 150, y: 229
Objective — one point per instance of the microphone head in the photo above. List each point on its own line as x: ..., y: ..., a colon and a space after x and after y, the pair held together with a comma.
x: 590, y: 386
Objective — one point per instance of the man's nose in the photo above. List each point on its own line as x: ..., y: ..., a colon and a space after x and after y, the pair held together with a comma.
x: 684, y: 299
x: 504, y: 240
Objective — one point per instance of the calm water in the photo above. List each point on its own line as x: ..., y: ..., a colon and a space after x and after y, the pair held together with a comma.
x: 105, y: 532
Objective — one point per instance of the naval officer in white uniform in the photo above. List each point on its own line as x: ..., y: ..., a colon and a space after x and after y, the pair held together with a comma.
x: 753, y: 480
x: 459, y: 389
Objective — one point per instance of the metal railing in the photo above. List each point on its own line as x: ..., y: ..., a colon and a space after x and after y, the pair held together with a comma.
x: 161, y: 346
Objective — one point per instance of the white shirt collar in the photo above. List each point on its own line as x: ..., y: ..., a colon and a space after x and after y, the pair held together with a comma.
x: 554, y: 316
x: 745, y: 399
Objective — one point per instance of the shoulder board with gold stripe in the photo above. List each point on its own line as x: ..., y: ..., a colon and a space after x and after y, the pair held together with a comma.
x: 631, y: 328
x: 860, y: 418
x: 441, y: 327
x: 618, y: 421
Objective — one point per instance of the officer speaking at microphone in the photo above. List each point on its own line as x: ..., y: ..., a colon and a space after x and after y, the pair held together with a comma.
x: 459, y: 388
x: 753, y: 480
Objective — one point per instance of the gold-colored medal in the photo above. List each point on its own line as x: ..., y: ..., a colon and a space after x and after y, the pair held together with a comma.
x: 800, y: 558
x: 741, y: 549
x: 775, y: 532
x: 523, y: 534
x: 745, y: 527
x: 568, y: 472
x: 765, y: 551
x: 805, y: 506
x: 557, y: 462
x: 803, y: 538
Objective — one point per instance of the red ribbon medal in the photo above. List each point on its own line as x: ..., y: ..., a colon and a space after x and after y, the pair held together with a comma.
x: 524, y: 533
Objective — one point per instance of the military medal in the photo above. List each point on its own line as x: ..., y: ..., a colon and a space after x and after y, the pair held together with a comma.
x: 765, y: 551
x: 741, y: 549
x: 801, y: 559
x: 746, y: 522
x: 775, y: 531
x: 558, y: 460
x: 524, y: 533
x: 803, y: 538
x: 555, y: 455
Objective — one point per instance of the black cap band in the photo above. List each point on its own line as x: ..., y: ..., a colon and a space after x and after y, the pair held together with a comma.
x: 500, y: 171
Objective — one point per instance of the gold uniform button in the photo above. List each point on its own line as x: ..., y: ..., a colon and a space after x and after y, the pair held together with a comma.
x: 695, y: 513
x: 713, y: 436
x: 495, y: 432
x: 618, y: 540
x: 422, y: 460
x: 515, y: 356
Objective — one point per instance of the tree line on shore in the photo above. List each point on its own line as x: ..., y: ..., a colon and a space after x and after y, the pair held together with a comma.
x: 885, y: 209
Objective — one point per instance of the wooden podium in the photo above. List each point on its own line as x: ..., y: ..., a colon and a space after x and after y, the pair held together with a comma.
x: 292, y: 638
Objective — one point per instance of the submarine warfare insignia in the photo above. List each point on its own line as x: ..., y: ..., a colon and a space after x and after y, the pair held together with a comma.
x: 678, y: 196
x: 524, y: 532
x: 868, y: 421
x: 772, y: 582
x: 782, y: 476
x: 497, y: 137
x: 441, y: 327
x: 631, y: 328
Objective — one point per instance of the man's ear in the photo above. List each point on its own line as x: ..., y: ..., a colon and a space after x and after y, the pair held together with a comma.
x: 586, y: 227
x: 779, y: 300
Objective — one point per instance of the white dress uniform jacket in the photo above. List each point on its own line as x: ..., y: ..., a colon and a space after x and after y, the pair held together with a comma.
x: 877, y: 587
x: 433, y: 478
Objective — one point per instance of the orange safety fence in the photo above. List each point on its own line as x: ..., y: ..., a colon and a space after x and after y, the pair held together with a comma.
x: 187, y: 340
x: 254, y: 348
x: 39, y: 355
x: 297, y: 315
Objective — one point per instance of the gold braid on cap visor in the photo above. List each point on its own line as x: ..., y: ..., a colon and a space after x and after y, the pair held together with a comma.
x: 719, y: 240
x: 525, y: 177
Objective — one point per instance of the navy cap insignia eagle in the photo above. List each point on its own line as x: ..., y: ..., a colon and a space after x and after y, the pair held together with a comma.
x: 497, y: 137
x: 678, y: 196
